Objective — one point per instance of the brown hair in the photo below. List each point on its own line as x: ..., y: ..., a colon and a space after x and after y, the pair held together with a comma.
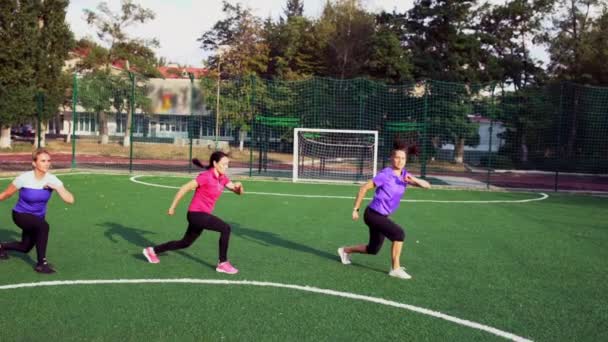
x: 399, y: 145
x: 214, y: 157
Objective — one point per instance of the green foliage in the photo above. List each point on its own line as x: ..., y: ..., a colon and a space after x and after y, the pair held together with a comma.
x: 54, y: 40
x: 19, y: 33
x: 238, y: 43
x: 111, y: 28
x: 346, y: 31
x: 577, y: 40
x: 444, y: 42
x: 291, y: 45
x: 505, y: 31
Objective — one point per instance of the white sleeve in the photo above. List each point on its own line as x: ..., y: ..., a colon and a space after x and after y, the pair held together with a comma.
x: 19, y: 182
x: 54, y: 180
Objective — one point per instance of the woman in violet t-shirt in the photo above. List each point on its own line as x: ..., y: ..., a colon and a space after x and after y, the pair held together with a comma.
x: 208, y: 187
x: 390, y: 186
x: 35, y: 189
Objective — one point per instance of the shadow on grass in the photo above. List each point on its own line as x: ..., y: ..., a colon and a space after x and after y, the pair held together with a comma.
x: 7, y: 235
x: 273, y: 239
x: 137, y: 237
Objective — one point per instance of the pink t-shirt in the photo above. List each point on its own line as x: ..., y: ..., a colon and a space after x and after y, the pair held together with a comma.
x: 209, y: 189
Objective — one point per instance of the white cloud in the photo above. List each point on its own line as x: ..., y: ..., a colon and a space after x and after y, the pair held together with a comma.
x: 179, y: 23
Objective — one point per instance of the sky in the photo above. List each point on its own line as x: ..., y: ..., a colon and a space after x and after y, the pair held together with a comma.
x: 179, y: 23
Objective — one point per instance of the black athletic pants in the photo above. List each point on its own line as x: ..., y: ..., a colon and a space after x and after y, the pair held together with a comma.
x: 197, y: 222
x: 35, y: 232
x: 380, y: 226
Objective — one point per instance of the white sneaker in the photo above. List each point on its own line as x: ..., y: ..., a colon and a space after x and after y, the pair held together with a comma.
x: 344, y: 257
x: 399, y: 273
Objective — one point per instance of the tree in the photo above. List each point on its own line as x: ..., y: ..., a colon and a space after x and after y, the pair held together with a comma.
x: 506, y: 32
x: 442, y: 37
x: 111, y: 29
x: 571, y: 48
x: 568, y: 40
x: 388, y: 60
x: 347, y: 31
x: 18, y: 24
x: 295, y: 8
x: 449, y: 105
x: 242, y: 33
x: 291, y: 44
x: 53, y: 42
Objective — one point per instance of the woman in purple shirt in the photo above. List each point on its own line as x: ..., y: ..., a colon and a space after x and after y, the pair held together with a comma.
x: 390, y: 186
x: 35, y: 189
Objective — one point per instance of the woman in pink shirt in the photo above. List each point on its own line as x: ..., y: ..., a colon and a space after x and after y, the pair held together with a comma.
x: 208, y: 187
x: 390, y: 185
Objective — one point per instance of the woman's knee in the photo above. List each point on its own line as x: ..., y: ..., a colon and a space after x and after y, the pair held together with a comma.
x: 225, y: 229
x: 399, y: 235
x: 372, y: 249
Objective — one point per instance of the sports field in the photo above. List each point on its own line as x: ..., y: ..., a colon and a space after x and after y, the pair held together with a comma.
x: 485, y: 266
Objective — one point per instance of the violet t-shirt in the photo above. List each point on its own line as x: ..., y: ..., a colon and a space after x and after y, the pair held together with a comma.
x: 33, y: 193
x: 209, y: 189
x: 389, y: 190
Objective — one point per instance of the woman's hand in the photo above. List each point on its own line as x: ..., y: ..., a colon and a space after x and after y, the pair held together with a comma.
x: 355, y: 214
x: 238, y: 188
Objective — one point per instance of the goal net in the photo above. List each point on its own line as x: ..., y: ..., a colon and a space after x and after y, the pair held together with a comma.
x: 334, y: 155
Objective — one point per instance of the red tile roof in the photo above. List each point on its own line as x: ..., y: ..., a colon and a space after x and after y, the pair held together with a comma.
x: 181, y: 72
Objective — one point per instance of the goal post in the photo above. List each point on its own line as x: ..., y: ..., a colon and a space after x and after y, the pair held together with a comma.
x: 334, y: 155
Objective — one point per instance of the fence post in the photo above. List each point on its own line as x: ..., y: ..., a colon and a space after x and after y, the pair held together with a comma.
x: 251, y: 139
x: 132, y: 104
x: 74, y: 118
x: 424, y: 130
x: 191, y: 75
x: 559, y: 135
x: 492, y: 113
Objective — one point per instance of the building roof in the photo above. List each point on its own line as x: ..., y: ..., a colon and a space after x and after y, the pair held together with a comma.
x: 182, y: 72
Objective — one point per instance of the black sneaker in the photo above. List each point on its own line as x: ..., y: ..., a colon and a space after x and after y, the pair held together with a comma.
x: 44, y: 268
x: 3, y: 253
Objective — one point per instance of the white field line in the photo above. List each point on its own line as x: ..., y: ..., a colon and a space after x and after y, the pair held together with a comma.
x: 542, y: 195
x: 436, y: 314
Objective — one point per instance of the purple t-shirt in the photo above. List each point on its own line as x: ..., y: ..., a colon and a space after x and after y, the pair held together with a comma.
x: 33, y: 194
x: 389, y: 190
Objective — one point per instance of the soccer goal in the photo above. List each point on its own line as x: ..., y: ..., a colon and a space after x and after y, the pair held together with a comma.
x: 334, y: 155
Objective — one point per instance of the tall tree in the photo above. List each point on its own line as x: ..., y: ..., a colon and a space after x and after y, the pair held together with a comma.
x: 291, y: 44
x: 568, y: 40
x: 111, y: 28
x: 295, y: 8
x: 53, y: 42
x: 18, y: 25
x: 348, y: 31
x: 388, y: 60
x: 442, y: 37
x: 571, y: 48
x: 507, y: 32
x: 238, y: 40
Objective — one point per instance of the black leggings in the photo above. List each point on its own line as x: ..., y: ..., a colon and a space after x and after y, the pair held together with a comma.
x: 197, y: 221
x: 35, y: 232
x: 380, y: 226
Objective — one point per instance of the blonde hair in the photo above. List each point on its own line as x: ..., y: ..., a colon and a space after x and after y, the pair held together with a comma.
x: 38, y: 152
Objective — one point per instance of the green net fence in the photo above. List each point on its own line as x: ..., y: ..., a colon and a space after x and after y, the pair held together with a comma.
x: 471, y: 135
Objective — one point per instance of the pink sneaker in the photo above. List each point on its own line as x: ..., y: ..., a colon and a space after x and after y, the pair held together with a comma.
x: 226, y: 267
x: 150, y: 255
